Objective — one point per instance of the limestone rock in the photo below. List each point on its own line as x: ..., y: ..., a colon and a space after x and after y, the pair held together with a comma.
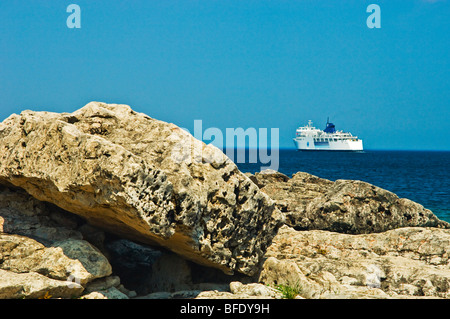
x: 345, y: 206
x: 32, y: 285
x: 102, y: 284
x: 254, y: 290
x: 70, y: 260
x: 24, y: 215
x: 235, y: 290
x: 109, y: 293
x: 409, y: 261
x: 142, y: 179
x: 147, y: 270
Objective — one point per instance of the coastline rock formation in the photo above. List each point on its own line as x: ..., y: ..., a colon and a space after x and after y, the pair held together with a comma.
x: 408, y: 261
x: 107, y: 203
x: 134, y: 176
x: 344, y: 206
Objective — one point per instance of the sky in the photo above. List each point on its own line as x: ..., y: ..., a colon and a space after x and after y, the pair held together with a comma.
x: 239, y: 64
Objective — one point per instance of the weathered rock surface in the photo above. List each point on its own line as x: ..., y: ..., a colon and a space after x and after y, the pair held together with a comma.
x: 24, y: 215
x: 69, y: 258
x: 60, y: 270
x: 403, y: 262
x: 33, y: 285
x: 238, y: 290
x: 345, y: 206
x: 131, y: 175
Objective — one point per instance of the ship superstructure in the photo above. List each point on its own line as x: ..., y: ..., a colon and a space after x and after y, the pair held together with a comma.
x: 309, y: 138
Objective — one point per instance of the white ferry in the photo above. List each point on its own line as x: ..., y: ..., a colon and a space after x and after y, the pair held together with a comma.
x: 309, y: 138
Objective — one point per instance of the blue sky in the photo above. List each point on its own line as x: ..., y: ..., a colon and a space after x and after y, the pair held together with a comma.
x: 261, y: 64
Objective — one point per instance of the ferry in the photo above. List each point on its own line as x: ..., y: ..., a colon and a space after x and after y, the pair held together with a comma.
x: 309, y: 138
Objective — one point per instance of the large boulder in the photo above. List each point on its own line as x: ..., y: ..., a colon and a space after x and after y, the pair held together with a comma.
x: 71, y: 259
x: 344, y: 206
x: 142, y: 179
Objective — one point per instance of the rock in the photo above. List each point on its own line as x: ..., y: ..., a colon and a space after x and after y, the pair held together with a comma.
x: 54, y: 261
x: 32, y: 285
x: 156, y: 295
x: 133, y: 263
x: 238, y: 290
x: 345, y: 206
x: 94, y: 236
x: 93, y: 263
x: 235, y: 290
x: 102, y: 284
x: 254, y: 290
x: 291, y: 195
x: 70, y: 260
x: 287, y: 272
x: 170, y: 273
x: 409, y: 261
x: 268, y: 177
x: 182, y: 219
x: 185, y: 294
x: 357, y: 207
x: 129, y: 174
x: 24, y: 215
x: 214, y: 294
x: 140, y: 267
x: 110, y: 293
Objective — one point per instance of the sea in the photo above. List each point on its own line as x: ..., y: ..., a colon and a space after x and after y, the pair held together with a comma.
x: 421, y: 176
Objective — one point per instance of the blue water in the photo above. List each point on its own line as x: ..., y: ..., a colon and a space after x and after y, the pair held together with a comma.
x: 422, y: 176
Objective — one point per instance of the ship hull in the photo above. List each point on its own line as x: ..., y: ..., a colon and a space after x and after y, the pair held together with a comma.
x: 308, y: 144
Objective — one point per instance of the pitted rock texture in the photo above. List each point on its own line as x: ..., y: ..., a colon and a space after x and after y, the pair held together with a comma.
x: 142, y: 179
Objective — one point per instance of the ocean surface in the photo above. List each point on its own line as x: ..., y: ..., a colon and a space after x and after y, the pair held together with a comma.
x: 422, y: 176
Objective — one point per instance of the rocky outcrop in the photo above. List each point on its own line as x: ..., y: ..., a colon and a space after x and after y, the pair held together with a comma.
x: 344, y: 206
x: 142, y: 179
x: 107, y: 203
x: 404, y: 262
